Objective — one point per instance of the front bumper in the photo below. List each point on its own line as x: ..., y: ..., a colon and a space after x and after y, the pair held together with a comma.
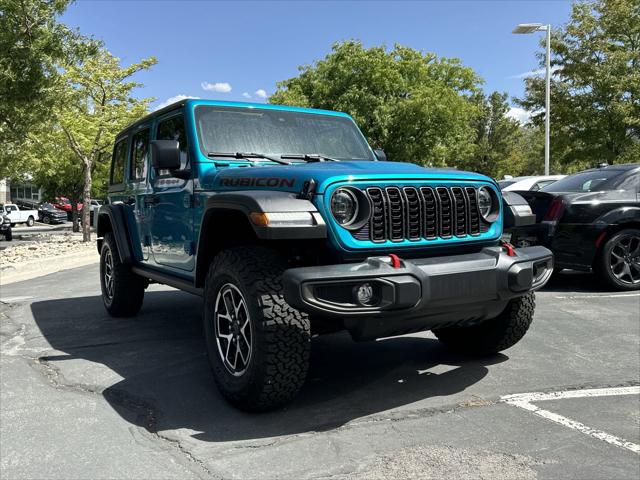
x: 420, y: 293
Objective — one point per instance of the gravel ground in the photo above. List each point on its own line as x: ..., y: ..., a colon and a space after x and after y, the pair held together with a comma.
x: 41, y: 246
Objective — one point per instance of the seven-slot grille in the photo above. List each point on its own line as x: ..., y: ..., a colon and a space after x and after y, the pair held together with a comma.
x: 415, y: 213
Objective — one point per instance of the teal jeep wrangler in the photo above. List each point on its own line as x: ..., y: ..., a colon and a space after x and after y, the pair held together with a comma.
x: 289, y: 225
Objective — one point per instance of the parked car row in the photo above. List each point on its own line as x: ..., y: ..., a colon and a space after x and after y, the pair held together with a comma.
x: 49, y: 213
x: 591, y: 222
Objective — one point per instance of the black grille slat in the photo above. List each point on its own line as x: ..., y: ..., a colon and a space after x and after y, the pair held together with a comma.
x: 378, y: 220
x: 446, y: 212
x: 430, y: 209
x: 395, y: 213
x: 460, y: 209
x: 414, y: 213
x: 474, y: 213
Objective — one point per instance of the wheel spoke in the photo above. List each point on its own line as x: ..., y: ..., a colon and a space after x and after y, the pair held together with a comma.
x: 233, y: 329
x: 228, y: 301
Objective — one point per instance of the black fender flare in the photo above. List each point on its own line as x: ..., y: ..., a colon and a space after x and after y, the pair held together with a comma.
x: 514, y: 206
x: 266, y: 201
x: 618, y: 216
x: 115, y: 215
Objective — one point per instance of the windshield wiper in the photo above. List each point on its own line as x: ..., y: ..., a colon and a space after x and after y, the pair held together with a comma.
x: 247, y: 156
x: 309, y: 157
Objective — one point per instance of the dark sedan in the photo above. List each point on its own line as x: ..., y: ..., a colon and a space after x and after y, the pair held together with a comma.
x: 47, y: 213
x: 591, y: 221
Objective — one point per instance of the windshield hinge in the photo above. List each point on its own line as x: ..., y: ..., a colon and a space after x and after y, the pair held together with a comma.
x: 308, y: 189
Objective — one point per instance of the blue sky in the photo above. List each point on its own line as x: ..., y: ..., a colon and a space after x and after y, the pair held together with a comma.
x: 236, y: 50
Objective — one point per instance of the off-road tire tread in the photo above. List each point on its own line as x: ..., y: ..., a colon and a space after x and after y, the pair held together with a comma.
x: 128, y: 293
x: 286, y: 346
x: 493, y: 335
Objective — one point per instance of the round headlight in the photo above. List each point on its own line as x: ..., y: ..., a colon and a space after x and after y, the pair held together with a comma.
x: 344, y: 206
x: 485, y: 203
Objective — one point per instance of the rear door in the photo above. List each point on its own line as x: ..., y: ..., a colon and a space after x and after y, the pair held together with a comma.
x: 172, y: 225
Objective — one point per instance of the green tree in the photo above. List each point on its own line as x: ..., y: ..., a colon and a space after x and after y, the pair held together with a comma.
x: 595, y: 88
x: 414, y: 105
x: 32, y: 43
x: 94, y: 104
x: 497, y: 138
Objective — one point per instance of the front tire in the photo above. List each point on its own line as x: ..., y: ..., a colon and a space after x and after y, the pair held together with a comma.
x: 122, y: 290
x: 8, y: 236
x: 495, y: 334
x: 258, y: 345
x: 618, y: 264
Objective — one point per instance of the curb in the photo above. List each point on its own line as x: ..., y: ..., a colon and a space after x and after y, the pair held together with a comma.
x: 48, y: 265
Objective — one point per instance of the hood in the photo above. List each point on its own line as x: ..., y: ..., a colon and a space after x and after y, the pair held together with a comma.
x: 292, y: 177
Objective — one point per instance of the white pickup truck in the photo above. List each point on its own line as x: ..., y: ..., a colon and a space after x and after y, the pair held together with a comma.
x: 16, y: 215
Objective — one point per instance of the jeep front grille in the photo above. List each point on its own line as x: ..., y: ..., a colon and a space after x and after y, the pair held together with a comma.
x: 412, y: 213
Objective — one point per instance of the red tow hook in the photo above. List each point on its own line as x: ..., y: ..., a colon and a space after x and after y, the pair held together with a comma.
x: 395, y: 260
x: 511, y: 250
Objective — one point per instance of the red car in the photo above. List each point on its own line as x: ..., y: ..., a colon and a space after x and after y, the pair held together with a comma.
x: 63, y: 203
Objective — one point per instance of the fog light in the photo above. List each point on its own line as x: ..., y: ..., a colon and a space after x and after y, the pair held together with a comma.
x: 364, y: 294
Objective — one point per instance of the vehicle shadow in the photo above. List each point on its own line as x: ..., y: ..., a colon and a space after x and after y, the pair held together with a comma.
x: 575, y: 281
x: 166, y: 382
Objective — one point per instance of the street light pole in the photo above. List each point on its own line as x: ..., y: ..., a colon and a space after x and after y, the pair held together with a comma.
x: 538, y: 27
x: 547, y: 105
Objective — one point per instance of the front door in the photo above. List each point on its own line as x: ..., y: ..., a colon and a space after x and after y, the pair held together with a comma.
x: 172, y: 225
x: 140, y: 190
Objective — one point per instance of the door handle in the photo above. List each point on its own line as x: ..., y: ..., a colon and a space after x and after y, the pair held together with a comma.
x: 151, y: 199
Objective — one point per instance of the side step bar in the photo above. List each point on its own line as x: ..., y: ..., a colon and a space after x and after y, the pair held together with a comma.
x: 184, y: 285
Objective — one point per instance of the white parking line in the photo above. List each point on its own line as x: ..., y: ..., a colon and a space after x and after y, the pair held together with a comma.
x: 523, y: 400
x: 614, y: 295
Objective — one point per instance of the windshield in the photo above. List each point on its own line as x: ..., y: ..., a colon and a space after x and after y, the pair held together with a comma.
x: 277, y: 132
x: 592, y: 180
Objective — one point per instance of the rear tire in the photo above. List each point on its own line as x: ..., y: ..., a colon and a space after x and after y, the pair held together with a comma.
x: 30, y: 222
x: 122, y: 290
x: 493, y: 335
x: 618, y: 263
x: 245, y: 311
x: 46, y: 220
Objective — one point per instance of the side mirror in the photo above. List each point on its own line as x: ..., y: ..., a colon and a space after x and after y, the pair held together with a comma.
x: 165, y: 154
x: 380, y: 155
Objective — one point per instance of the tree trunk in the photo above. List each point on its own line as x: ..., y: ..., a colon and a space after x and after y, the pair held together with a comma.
x: 74, y: 214
x: 86, y: 200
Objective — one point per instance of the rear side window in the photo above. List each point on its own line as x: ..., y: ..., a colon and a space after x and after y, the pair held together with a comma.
x: 173, y: 129
x: 139, y: 155
x: 117, y: 165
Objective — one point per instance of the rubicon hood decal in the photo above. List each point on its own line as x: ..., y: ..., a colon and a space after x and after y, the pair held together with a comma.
x: 273, y: 182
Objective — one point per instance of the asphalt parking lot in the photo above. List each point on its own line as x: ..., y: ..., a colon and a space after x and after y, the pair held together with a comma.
x: 87, y: 396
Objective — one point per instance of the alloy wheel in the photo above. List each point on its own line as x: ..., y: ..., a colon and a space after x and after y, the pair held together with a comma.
x: 624, y: 259
x: 233, y: 329
x: 108, y: 274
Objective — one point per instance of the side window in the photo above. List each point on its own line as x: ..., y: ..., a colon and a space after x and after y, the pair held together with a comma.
x: 173, y: 129
x: 139, y: 155
x: 117, y: 163
x: 631, y: 183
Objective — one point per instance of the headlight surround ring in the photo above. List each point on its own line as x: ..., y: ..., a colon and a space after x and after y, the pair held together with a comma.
x: 360, y: 209
x: 488, y: 204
